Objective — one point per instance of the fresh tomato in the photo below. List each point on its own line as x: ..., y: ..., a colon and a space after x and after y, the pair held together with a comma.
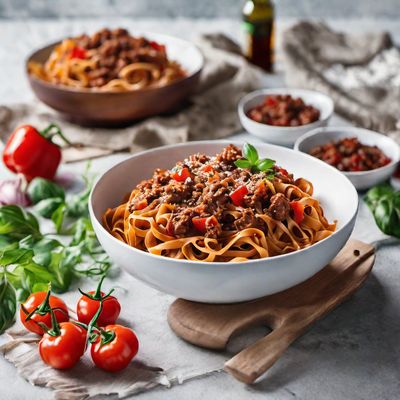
x: 38, y: 307
x: 114, y: 349
x: 63, y: 346
x: 298, y: 211
x: 207, y: 168
x: 78, y: 52
x: 181, y: 175
x: 32, y: 153
x: 237, y: 195
x: 157, y: 46
x: 200, y: 224
x: 89, y: 304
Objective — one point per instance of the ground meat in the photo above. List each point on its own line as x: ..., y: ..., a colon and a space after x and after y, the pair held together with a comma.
x: 177, y: 192
x: 247, y: 220
x: 206, y: 190
x: 279, y: 208
x: 180, y: 224
x: 212, y: 231
x: 229, y: 155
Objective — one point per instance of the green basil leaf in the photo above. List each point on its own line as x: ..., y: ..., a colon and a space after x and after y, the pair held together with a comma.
x: 62, y: 272
x: 58, y: 217
x: 8, y: 304
x: 376, y: 193
x: 243, y: 163
x: 77, y: 206
x: 5, y: 241
x: 46, y: 207
x: 16, y: 256
x: 18, y: 223
x: 265, y: 164
x: 250, y: 152
x: 41, y: 189
x: 43, y: 251
x: 383, y: 214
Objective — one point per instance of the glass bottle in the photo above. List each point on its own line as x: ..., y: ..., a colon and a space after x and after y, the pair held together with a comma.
x: 258, y: 21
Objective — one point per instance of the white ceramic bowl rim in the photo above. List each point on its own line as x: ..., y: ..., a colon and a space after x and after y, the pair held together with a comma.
x: 149, y: 35
x: 261, y: 261
x: 351, y: 130
x: 294, y: 92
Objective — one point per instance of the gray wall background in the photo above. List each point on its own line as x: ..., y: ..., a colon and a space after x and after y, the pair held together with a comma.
x: 194, y: 8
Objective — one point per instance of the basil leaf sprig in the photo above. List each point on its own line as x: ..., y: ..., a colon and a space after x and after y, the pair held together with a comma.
x: 252, y: 161
x: 30, y: 259
x: 384, y: 203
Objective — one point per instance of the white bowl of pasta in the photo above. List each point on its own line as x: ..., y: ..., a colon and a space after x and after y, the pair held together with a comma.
x: 210, y: 231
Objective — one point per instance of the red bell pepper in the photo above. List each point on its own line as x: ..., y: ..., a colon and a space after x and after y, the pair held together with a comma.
x: 78, y: 52
x: 200, y: 224
x: 207, y: 168
x: 283, y: 171
x: 157, y: 46
x: 298, y: 211
x: 181, y: 175
x: 237, y: 195
x: 32, y: 153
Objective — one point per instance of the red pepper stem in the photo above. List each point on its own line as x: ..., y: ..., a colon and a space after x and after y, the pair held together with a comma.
x: 48, y: 134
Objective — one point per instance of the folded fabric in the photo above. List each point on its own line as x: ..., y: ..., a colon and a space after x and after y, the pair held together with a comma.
x: 361, y: 72
x: 210, y: 113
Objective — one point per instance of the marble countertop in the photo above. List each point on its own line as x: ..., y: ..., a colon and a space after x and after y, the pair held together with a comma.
x: 353, y: 353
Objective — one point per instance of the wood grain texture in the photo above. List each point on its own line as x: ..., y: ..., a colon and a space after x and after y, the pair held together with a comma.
x: 289, y: 313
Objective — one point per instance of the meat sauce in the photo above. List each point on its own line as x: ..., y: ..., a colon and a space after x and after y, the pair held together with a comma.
x: 205, y: 189
x: 350, y: 155
x: 284, y: 110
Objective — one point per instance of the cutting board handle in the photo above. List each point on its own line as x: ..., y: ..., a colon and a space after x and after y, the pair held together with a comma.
x: 253, y: 361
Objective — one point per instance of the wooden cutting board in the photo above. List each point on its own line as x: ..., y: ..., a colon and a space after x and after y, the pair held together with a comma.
x: 289, y: 313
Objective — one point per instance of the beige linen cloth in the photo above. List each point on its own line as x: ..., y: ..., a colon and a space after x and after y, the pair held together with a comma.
x: 211, y: 114
x: 361, y: 72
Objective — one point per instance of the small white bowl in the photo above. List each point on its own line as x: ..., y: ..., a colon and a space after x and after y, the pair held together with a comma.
x: 220, y: 282
x: 284, y: 135
x: 364, y: 179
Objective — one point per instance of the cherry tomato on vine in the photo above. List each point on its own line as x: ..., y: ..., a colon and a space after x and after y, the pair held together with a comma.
x: 114, y: 348
x: 89, y: 303
x: 36, y: 309
x: 63, y: 345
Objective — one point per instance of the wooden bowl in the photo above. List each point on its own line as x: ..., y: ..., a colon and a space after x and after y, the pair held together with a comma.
x: 94, y: 108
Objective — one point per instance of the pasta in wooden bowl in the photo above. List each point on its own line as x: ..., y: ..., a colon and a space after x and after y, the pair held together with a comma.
x: 112, y: 78
x: 108, y: 60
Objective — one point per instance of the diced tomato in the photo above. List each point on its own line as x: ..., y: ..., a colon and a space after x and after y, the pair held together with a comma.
x: 141, y: 204
x: 157, y: 46
x: 207, y: 168
x: 298, y: 211
x: 237, y: 196
x: 181, y: 175
x: 283, y: 171
x: 78, y: 52
x: 200, y: 224
x: 270, y: 101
